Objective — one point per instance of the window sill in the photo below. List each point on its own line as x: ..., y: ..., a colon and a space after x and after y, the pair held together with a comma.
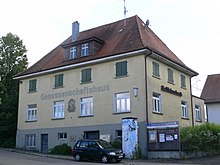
x: 29, y: 92
x: 117, y: 113
x: 117, y: 77
x: 31, y: 121
x: 170, y: 82
x: 60, y: 118
x: 185, y: 118
x: 183, y: 87
x: 157, y: 77
x: 157, y: 113
x: 199, y: 120
x: 82, y: 116
x: 88, y: 82
x: 58, y: 87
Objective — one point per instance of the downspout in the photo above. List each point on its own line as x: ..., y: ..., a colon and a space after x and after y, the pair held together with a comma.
x: 191, y: 103
x: 146, y: 91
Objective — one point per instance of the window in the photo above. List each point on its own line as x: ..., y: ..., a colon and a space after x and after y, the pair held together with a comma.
x: 62, y: 136
x: 121, y: 69
x: 198, y: 113
x: 85, y: 49
x: 170, y: 75
x: 86, y: 75
x: 58, y: 81
x: 183, y: 81
x: 122, y: 102
x: 157, y: 103
x: 30, y: 140
x: 58, y: 109
x: 32, y: 85
x: 118, y: 134
x: 72, y: 53
x: 184, y: 109
x: 86, y: 106
x: 156, y: 69
x: 32, y: 112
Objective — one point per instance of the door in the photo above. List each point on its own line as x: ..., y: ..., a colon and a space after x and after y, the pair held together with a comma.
x: 44, y: 143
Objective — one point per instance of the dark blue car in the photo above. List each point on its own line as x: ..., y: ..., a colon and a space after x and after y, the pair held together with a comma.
x: 96, y: 150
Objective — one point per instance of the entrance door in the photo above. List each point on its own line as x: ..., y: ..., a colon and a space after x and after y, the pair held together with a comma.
x: 44, y: 143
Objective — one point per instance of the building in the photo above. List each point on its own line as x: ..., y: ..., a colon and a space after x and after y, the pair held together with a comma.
x: 211, y: 95
x: 85, y: 87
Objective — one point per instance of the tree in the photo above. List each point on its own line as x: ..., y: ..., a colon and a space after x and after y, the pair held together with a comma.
x: 13, y: 60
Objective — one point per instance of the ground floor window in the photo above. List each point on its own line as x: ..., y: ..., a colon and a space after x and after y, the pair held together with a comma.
x: 91, y: 135
x: 184, y: 109
x: 118, y: 134
x: 62, y: 136
x: 30, y: 140
x: 198, y: 113
x: 86, y: 106
x: 122, y: 102
x: 32, y: 112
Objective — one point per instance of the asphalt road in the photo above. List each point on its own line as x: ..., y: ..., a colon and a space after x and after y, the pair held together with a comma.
x: 15, y: 158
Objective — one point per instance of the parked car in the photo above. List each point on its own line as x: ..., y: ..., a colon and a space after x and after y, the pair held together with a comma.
x: 96, y: 150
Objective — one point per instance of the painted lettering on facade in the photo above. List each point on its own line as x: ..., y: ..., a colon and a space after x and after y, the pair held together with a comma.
x: 171, y: 91
x: 75, y: 92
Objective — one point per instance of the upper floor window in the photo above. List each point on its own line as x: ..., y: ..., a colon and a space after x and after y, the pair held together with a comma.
x: 156, y: 106
x: 156, y: 69
x: 58, y: 109
x: 198, y: 113
x: 85, y: 49
x: 122, y: 102
x: 86, y: 75
x: 170, y: 75
x: 184, y: 109
x: 58, y: 80
x: 86, y: 106
x: 32, y: 85
x: 30, y: 140
x: 72, y: 53
x: 32, y: 112
x: 121, y: 69
x: 183, y: 81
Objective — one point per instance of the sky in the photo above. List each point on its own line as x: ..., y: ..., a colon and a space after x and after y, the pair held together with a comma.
x: 190, y: 28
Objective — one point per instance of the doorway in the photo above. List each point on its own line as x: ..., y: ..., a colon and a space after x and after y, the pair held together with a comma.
x: 44, y: 143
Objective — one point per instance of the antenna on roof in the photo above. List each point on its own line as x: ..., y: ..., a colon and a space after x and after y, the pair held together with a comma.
x: 125, y: 11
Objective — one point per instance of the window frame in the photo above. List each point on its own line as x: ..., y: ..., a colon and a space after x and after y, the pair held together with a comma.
x: 198, y: 113
x: 32, y: 85
x: 84, y: 50
x: 59, y: 80
x: 86, y: 75
x: 121, y: 69
x: 61, y: 113
x: 32, y: 110
x: 62, y: 135
x: 30, y: 140
x: 73, y: 52
x: 122, y: 103
x: 156, y: 69
x: 86, y: 102
x: 184, y: 109
x: 170, y: 76
x: 183, y: 81
x: 156, y: 103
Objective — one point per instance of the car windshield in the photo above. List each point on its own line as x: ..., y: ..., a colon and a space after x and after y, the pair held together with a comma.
x: 103, y: 144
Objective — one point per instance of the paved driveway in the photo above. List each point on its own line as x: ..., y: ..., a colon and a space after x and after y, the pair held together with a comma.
x: 16, y: 158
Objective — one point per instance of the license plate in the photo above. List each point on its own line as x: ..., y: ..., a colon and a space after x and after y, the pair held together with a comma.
x: 120, y: 156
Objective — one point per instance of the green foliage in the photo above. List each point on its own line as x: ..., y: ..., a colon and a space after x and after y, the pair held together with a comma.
x: 137, y: 154
x: 117, y: 143
x: 63, y: 149
x: 205, y: 137
x: 12, y: 61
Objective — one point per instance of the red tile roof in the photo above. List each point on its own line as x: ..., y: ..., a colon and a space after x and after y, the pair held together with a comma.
x: 211, y: 89
x: 135, y: 36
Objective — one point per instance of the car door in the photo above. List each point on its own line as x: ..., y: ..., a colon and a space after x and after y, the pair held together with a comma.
x: 84, y: 149
x: 94, y: 151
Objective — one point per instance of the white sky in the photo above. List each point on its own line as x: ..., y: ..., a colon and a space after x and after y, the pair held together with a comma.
x: 190, y: 28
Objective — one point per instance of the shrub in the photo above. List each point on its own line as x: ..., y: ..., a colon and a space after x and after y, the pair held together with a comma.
x: 205, y: 137
x: 117, y: 143
x: 63, y: 149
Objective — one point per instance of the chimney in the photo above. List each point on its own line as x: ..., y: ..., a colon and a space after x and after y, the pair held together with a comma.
x: 75, y: 31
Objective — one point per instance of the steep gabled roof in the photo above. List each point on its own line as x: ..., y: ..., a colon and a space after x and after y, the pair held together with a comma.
x: 117, y: 40
x: 211, y: 89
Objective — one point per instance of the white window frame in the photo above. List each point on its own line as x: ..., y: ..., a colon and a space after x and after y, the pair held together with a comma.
x: 85, y: 49
x: 58, y: 109
x: 156, y: 103
x: 86, y: 106
x: 72, y: 54
x: 31, y: 112
x: 122, y: 102
x: 198, y: 113
x: 62, y: 136
x: 184, y: 109
x: 30, y: 140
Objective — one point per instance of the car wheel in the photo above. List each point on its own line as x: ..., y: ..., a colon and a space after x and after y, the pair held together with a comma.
x: 104, y: 159
x: 77, y: 157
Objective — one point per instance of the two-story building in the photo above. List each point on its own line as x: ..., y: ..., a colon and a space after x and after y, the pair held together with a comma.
x: 87, y: 84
